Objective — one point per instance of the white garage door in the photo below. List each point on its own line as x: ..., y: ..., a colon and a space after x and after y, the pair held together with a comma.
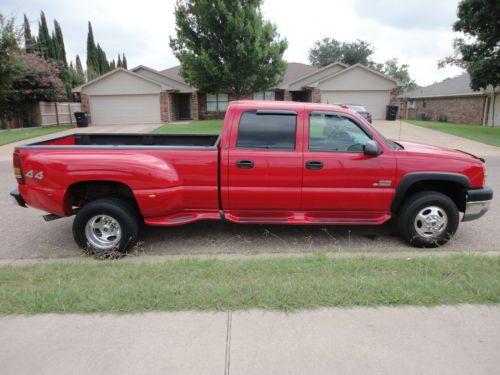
x: 125, y: 109
x: 374, y: 101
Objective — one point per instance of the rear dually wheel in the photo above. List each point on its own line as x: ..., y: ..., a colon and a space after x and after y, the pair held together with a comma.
x: 105, y: 226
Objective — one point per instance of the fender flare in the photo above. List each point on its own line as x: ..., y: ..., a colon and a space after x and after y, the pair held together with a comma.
x: 411, y: 179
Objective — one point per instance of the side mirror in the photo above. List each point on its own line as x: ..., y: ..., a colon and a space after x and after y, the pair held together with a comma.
x: 372, y: 148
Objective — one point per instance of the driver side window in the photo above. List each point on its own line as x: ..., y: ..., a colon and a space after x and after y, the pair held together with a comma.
x: 332, y: 132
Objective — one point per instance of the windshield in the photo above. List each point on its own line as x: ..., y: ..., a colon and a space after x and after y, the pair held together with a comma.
x: 393, y: 145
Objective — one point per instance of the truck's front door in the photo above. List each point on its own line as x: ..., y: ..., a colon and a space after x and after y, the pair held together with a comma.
x: 338, y: 177
x: 265, y: 161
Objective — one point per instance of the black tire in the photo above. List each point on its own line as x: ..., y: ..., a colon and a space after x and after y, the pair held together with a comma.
x: 407, y: 223
x: 117, y: 209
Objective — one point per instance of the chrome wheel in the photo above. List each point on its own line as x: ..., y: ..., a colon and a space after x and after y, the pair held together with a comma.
x: 103, y: 232
x: 431, y: 222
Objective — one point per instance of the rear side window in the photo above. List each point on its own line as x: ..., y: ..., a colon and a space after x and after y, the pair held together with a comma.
x: 267, y: 131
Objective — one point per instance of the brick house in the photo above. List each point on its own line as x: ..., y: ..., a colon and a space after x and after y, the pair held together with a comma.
x: 451, y: 100
x: 144, y: 95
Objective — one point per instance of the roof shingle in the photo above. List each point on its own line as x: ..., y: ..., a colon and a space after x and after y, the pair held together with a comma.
x: 293, y: 71
x: 459, y: 85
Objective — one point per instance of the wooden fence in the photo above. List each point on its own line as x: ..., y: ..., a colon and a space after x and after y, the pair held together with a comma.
x: 44, y: 114
x: 57, y: 113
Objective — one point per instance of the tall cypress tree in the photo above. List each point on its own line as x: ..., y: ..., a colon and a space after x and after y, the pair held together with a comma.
x: 44, y: 39
x: 59, y: 43
x: 79, y: 68
x: 92, y: 62
x: 124, y: 62
x: 29, y: 40
x: 119, y: 63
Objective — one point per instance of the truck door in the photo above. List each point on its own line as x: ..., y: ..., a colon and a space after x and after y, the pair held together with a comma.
x: 338, y: 176
x: 265, y: 161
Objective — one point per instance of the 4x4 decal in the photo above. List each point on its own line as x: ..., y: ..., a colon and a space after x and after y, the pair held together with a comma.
x: 32, y: 174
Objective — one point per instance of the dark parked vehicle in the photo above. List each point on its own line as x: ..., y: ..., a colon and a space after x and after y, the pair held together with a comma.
x: 359, y: 109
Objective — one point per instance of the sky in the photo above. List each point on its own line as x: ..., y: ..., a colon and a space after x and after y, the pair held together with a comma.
x: 417, y: 33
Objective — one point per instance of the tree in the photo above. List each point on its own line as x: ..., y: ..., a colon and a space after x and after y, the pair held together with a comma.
x: 124, y: 62
x: 227, y: 46
x: 92, y: 58
x: 10, y: 67
x: 119, y: 63
x: 479, y: 51
x: 330, y: 50
x: 79, y: 69
x: 45, y: 45
x: 399, y: 72
x: 77, y: 79
x: 40, y: 80
x: 59, y: 44
x: 24, y: 77
x: 29, y: 41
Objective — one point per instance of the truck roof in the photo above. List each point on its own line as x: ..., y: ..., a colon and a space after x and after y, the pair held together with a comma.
x: 285, y: 104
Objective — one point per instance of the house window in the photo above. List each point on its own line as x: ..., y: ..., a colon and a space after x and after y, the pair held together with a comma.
x: 217, y: 102
x: 411, y: 103
x: 264, y: 95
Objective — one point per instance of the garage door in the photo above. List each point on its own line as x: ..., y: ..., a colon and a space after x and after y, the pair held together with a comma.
x: 125, y: 109
x: 374, y: 101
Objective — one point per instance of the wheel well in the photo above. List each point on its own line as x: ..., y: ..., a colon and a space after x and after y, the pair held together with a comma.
x: 81, y: 193
x: 455, y: 190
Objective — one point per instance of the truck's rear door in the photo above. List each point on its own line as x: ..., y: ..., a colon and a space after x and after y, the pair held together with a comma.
x: 265, y: 161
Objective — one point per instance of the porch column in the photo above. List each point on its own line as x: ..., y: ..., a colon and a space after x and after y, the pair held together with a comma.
x: 195, y: 113
x: 316, y: 95
x: 164, y: 106
x: 171, y: 109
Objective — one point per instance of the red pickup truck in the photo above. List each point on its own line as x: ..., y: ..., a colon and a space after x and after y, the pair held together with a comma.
x: 274, y: 163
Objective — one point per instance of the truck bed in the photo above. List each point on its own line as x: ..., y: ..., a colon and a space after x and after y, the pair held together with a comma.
x: 103, y: 140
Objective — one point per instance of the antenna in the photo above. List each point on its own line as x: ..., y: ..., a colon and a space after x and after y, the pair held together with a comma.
x: 399, y: 135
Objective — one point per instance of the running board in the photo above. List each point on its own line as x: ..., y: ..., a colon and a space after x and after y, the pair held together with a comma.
x: 303, y: 219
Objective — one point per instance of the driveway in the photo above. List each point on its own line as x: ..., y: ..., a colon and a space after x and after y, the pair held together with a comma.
x: 24, y: 234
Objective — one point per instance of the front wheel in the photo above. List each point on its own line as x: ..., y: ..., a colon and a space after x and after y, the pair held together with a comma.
x: 106, y: 225
x: 428, y: 219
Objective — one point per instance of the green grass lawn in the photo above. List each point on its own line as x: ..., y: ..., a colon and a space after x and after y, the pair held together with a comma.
x: 285, y: 283
x: 484, y: 134
x: 194, y: 127
x: 10, y: 136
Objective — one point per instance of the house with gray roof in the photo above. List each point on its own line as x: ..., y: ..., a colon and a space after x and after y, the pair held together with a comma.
x: 452, y: 100
x: 145, y: 95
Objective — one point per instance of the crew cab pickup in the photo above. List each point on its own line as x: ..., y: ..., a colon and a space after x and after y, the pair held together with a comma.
x: 273, y: 163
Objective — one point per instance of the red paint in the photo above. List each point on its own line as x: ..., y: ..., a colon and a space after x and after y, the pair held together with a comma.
x: 174, y: 187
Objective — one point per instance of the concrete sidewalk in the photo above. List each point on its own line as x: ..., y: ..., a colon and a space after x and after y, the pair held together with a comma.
x: 387, y: 340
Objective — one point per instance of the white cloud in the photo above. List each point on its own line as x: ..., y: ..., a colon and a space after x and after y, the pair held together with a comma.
x: 416, y: 32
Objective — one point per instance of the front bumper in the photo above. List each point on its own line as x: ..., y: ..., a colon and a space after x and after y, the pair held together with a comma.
x: 478, y: 203
x: 18, y: 198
